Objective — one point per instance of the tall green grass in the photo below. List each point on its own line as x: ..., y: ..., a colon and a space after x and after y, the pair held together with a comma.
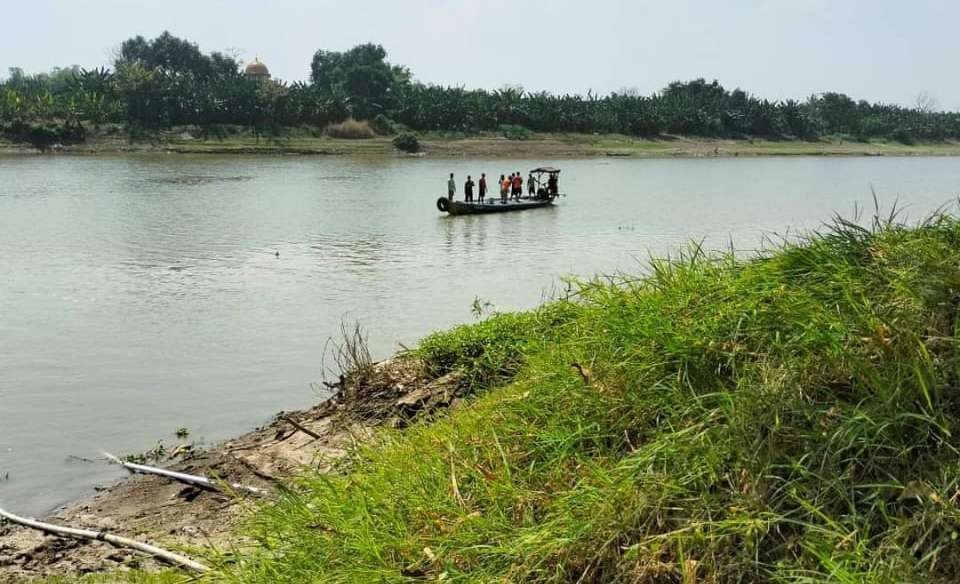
x: 791, y: 418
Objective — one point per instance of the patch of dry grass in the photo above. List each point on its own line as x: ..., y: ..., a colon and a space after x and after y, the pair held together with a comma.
x: 351, y: 129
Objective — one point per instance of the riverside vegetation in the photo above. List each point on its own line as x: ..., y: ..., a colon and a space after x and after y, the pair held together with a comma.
x: 168, y: 82
x: 791, y: 417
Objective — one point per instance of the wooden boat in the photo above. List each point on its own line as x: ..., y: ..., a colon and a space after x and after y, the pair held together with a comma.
x: 545, y: 197
x: 490, y: 206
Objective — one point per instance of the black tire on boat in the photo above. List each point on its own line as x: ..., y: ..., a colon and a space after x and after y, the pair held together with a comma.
x: 443, y: 204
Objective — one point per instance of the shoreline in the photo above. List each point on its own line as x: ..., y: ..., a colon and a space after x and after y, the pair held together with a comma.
x: 152, y: 509
x: 490, y: 146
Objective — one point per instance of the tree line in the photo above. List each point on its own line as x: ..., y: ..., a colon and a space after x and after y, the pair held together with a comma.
x: 167, y: 81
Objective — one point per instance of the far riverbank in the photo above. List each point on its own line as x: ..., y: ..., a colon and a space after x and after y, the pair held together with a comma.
x: 537, y: 145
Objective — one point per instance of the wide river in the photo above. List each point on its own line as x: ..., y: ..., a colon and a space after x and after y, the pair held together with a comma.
x: 142, y: 294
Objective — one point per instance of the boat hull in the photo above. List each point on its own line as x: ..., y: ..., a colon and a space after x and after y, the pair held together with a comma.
x: 463, y: 208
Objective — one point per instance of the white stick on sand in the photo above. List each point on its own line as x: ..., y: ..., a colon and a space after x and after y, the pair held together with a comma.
x: 183, y: 477
x: 117, y: 540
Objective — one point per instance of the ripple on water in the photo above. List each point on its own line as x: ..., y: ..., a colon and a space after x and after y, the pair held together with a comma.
x: 190, y: 180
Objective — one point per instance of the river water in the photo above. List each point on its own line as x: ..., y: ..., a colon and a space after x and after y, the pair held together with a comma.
x: 141, y: 294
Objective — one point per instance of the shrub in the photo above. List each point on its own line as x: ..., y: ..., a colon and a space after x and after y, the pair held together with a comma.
x: 351, y: 129
x: 43, y: 135
x: 407, y: 142
x: 903, y: 135
x: 513, y: 132
x: 384, y: 125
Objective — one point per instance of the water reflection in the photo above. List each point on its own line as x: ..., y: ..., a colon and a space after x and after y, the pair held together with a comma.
x: 499, y: 233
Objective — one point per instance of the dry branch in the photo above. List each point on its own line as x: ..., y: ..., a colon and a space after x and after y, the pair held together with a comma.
x: 303, y: 429
x: 195, y: 480
x: 117, y: 540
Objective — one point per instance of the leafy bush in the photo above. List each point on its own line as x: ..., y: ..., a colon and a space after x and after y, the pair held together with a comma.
x: 903, y: 135
x: 514, y: 132
x: 383, y: 125
x: 351, y: 129
x: 44, y: 134
x: 407, y: 142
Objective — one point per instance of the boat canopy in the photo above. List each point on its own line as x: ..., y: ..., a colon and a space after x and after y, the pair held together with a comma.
x: 548, y: 169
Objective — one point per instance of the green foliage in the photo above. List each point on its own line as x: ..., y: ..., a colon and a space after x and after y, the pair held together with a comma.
x: 512, y: 132
x: 491, y: 351
x: 792, y: 418
x: 362, y: 73
x: 167, y: 81
x: 407, y: 142
x: 44, y: 135
x: 903, y: 135
x: 155, y: 454
x: 383, y: 125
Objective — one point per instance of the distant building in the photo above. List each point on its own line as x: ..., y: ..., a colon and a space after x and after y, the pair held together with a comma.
x: 257, y: 71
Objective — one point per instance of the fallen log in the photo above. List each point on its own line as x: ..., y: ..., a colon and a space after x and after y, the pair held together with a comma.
x: 117, y: 540
x: 195, y: 480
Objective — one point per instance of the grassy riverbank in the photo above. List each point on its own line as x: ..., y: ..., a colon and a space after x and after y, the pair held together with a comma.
x: 792, y: 418
x: 307, y: 141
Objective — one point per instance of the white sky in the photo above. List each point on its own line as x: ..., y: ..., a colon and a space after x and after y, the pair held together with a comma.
x: 879, y: 50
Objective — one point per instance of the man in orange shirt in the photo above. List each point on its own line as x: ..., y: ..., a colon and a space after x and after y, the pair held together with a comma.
x: 517, y: 186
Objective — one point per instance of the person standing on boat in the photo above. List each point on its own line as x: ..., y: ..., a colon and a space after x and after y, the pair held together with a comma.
x: 483, y: 186
x: 531, y: 187
x: 468, y: 190
x: 552, y: 186
x: 517, y: 186
x: 504, y: 188
x: 451, y: 187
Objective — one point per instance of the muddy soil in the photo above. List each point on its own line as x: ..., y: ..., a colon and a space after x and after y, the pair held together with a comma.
x: 181, y: 517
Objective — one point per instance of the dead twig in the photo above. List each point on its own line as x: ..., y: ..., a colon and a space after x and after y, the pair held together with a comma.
x: 351, y: 354
x: 303, y: 429
x: 168, y: 556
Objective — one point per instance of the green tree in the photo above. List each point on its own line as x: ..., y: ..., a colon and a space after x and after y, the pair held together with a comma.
x: 168, y: 80
x: 839, y: 113
x: 362, y: 74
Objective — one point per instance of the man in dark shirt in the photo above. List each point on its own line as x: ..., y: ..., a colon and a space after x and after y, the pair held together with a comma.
x: 468, y: 189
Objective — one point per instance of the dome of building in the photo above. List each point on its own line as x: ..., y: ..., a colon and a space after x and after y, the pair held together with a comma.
x: 257, y: 70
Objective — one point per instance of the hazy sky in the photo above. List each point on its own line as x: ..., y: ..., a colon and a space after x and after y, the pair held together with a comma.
x: 880, y: 50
